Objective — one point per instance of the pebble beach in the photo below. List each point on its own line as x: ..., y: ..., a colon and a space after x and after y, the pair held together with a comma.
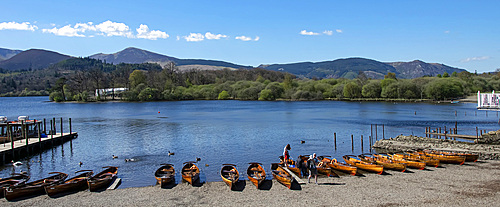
x: 471, y: 184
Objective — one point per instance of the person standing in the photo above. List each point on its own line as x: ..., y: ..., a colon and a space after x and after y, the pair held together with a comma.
x: 286, y: 154
x: 312, y: 162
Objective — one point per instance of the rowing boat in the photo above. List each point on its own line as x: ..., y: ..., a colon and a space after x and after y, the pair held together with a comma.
x: 409, y: 163
x: 281, y: 175
x: 352, y: 160
x: 388, y: 164
x: 469, y: 157
x: 190, y: 172
x: 103, y: 179
x: 34, y: 188
x: 451, y: 159
x: 256, y: 173
x: 429, y: 161
x: 14, y: 180
x: 165, y: 174
x: 229, y: 174
x: 71, y: 185
x: 335, y: 165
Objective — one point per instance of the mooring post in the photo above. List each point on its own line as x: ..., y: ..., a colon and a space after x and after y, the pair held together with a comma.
x: 70, y: 131
x: 477, y: 134
x: 383, y: 131
x: 362, y: 144
x: 371, y: 130
x: 445, y: 137
x: 62, y: 127
x: 486, y: 113
x: 455, y: 113
x: 370, y: 141
x: 26, y: 136
x: 352, y: 142
x: 439, y: 137
x: 39, y: 134
x: 376, y: 136
x: 44, y: 127
x: 54, y: 123
x: 335, y: 140
x: 51, y: 133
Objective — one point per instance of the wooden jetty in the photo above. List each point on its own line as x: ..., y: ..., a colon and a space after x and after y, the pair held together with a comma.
x: 300, y: 181
x: 22, y: 138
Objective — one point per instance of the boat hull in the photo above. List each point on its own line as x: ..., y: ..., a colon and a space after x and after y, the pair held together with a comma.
x: 256, y: 174
x: 190, y: 175
x: 229, y: 175
x: 369, y: 167
x: 282, y: 176
x: 103, y: 179
x: 165, y: 175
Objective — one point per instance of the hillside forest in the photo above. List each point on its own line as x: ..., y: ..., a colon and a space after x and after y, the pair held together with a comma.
x: 76, y: 79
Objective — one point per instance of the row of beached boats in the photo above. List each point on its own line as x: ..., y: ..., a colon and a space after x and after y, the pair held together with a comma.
x: 375, y: 163
x: 57, y: 184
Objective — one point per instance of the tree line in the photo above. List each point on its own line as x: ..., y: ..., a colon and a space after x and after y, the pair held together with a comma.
x: 76, y: 80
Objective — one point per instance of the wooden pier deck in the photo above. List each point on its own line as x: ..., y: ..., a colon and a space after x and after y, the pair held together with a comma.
x: 18, y: 149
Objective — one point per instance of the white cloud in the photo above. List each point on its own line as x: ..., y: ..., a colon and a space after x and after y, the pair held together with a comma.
x: 194, y: 37
x: 328, y: 32
x: 70, y: 31
x: 17, y: 26
x: 475, y: 59
x: 178, y: 38
x: 245, y: 38
x: 144, y: 32
x: 447, y: 32
x: 67, y: 31
x: 211, y: 36
x: 304, y: 32
x: 339, y: 31
x: 109, y: 28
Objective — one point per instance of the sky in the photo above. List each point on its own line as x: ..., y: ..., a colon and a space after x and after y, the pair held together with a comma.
x: 458, y: 33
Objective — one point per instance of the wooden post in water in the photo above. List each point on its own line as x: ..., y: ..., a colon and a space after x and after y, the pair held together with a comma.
x: 445, y: 137
x: 477, y: 134
x: 376, y: 136
x: 51, y: 133
x: 475, y: 113
x: 362, y: 144
x: 383, y: 132
x: 61, y: 127
x: 456, y: 127
x: 335, y: 140
x: 352, y: 142
x: 370, y: 141
x: 70, y: 131
x: 439, y: 137
x: 455, y: 112
x: 26, y: 137
x: 486, y: 113
x: 54, y: 123
x: 22, y: 132
x: 39, y: 134
x: 44, y: 127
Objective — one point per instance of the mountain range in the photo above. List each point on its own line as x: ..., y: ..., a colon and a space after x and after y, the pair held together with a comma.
x: 340, y: 68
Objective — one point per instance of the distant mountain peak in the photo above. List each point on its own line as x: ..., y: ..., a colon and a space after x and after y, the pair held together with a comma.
x: 33, y: 59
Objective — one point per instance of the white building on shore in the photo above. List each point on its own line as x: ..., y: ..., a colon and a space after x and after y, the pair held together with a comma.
x: 488, y: 101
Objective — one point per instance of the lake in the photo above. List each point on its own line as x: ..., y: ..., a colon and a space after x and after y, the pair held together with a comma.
x: 220, y: 132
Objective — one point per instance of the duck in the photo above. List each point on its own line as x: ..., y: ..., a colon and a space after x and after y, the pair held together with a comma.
x: 198, y: 159
x: 16, y: 163
x: 302, y: 141
x: 114, y: 156
x: 206, y: 165
x: 130, y: 160
x: 170, y: 153
x: 80, y: 163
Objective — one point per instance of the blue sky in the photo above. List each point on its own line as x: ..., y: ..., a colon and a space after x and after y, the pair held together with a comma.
x: 464, y: 34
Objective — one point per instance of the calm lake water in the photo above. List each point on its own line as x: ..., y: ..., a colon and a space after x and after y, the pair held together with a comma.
x: 220, y: 132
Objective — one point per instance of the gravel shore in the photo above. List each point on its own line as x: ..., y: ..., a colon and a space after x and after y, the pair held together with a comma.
x: 472, y: 184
